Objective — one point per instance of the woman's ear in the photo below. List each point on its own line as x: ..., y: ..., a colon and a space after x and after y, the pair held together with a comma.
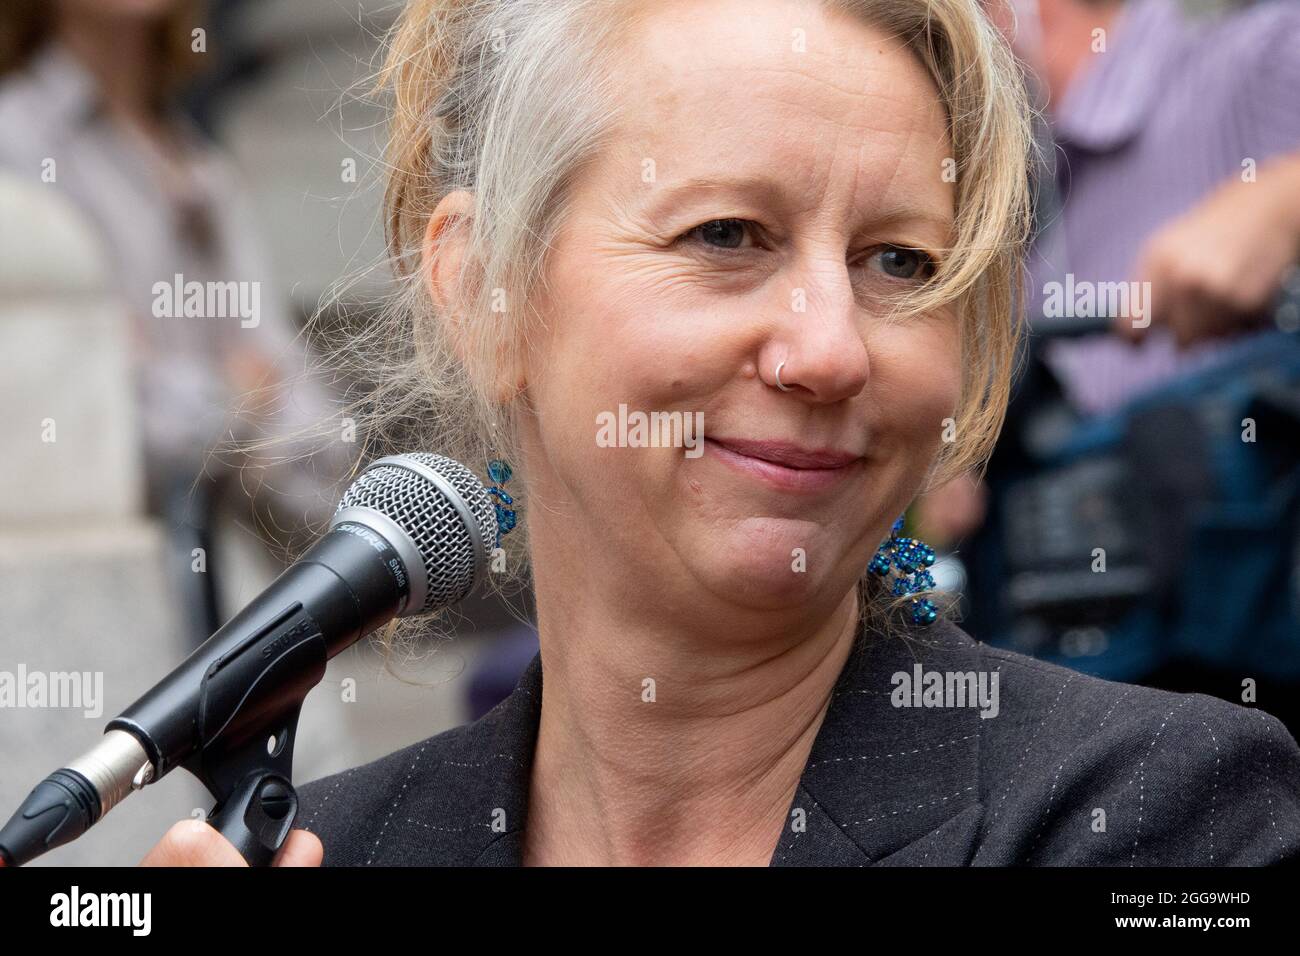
x: 451, y: 285
x: 442, y: 256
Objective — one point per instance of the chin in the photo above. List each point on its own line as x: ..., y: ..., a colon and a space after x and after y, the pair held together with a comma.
x: 757, y: 565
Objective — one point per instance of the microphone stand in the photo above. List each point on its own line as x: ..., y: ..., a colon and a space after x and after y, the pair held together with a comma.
x: 247, y: 723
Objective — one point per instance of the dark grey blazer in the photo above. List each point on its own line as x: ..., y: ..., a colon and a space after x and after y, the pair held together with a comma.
x: 1071, y: 770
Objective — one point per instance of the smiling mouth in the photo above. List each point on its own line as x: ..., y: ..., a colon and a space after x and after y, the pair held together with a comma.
x: 783, y: 465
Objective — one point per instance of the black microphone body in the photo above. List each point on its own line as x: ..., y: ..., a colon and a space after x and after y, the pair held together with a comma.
x: 346, y: 585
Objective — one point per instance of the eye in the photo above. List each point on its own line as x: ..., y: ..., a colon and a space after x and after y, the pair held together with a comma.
x: 720, y: 233
x: 900, y: 262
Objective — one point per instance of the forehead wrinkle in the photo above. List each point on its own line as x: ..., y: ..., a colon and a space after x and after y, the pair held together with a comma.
x: 798, y: 123
x: 765, y: 79
x: 671, y: 104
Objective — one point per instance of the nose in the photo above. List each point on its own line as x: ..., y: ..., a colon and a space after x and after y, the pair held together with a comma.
x: 819, y: 336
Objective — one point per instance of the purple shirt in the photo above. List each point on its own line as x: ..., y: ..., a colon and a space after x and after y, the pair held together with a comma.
x: 1154, y: 125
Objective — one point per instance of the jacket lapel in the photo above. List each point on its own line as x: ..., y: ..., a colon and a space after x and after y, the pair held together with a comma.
x: 473, y: 813
x: 887, y: 784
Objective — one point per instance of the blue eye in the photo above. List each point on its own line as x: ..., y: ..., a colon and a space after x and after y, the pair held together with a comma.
x: 720, y: 233
x: 899, y: 262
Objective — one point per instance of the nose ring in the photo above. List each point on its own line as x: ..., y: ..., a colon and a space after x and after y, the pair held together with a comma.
x: 784, y: 388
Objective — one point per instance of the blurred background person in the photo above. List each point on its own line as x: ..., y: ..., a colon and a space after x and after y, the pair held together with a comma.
x: 1177, y: 127
x: 1173, y: 168
x: 90, y: 109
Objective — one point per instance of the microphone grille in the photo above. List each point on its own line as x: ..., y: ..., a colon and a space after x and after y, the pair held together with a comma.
x: 434, y: 500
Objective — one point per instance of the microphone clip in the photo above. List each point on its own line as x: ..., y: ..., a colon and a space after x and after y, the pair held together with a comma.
x: 248, y: 720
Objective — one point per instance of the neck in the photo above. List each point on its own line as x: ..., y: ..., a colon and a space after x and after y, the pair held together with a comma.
x: 125, y: 70
x: 684, y: 740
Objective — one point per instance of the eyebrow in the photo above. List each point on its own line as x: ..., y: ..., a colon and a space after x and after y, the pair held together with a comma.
x: 664, y: 201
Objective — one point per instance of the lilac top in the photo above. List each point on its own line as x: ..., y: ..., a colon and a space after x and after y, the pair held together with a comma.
x: 1168, y: 113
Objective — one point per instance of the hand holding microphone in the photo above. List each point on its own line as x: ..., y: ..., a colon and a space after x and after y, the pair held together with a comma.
x: 412, y: 535
x: 196, y: 843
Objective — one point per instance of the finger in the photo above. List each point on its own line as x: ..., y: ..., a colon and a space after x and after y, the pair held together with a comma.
x: 1151, y: 280
x: 1181, y: 321
x: 1123, y: 326
x: 1171, y: 303
x: 1195, y: 319
x: 193, y: 843
x: 301, y: 849
x: 1205, y: 322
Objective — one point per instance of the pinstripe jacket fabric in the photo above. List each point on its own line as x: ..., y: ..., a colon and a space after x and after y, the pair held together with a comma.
x: 1065, y: 769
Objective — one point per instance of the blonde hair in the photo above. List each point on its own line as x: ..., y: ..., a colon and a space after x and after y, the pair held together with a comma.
x: 507, y: 98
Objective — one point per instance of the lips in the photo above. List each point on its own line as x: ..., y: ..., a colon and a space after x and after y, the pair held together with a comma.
x: 786, y: 454
x: 786, y: 465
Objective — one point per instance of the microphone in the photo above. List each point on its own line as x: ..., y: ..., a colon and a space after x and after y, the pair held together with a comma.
x: 411, y: 535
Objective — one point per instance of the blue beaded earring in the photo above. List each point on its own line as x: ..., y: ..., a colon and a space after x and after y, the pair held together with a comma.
x: 912, y: 559
x: 500, y: 473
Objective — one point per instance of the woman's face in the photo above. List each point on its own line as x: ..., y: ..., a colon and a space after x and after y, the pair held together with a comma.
x: 775, y: 166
